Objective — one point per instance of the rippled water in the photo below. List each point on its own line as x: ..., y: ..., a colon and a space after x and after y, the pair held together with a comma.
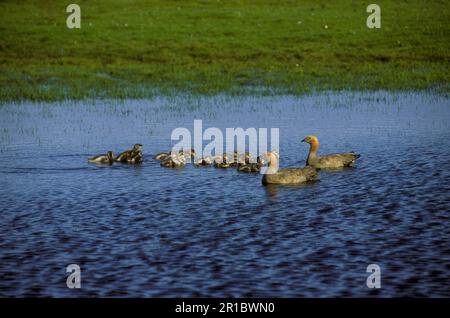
x: 150, y: 231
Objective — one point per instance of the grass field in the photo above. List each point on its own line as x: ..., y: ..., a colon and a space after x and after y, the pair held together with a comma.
x: 140, y: 48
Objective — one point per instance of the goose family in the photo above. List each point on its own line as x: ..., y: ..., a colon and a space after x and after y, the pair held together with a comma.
x: 243, y: 162
x: 332, y: 161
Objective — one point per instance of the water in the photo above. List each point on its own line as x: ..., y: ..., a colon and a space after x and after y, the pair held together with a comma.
x: 150, y: 231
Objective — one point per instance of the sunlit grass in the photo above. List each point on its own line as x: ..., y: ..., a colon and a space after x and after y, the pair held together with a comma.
x: 134, y: 49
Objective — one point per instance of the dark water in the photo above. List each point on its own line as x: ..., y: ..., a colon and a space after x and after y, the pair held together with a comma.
x: 149, y: 231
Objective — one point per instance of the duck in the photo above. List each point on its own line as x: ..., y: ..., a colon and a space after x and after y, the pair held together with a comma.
x: 129, y: 154
x: 332, y: 161
x: 174, y: 161
x: 288, y: 175
x: 108, y: 158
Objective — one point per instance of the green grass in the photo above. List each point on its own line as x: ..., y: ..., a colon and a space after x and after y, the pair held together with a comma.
x: 141, y: 48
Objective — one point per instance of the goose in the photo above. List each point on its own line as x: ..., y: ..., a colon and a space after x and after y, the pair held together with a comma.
x: 222, y: 161
x: 236, y: 160
x: 333, y: 161
x: 247, y: 157
x: 207, y: 161
x: 241, y: 159
x: 108, y: 158
x: 163, y: 155
x: 129, y: 154
x: 136, y: 158
x: 250, y: 167
x: 233, y: 160
x: 286, y: 176
x: 174, y: 161
x: 189, y: 153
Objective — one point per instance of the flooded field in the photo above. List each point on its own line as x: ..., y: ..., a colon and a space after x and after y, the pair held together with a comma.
x: 147, y: 231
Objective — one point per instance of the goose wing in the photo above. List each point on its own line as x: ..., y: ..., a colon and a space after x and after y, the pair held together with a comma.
x: 308, y: 173
x: 337, y: 160
x: 291, y: 176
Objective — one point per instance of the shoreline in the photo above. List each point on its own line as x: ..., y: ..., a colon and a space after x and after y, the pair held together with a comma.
x: 441, y: 91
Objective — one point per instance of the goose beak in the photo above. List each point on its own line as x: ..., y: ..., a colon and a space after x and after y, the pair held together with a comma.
x: 303, y: 140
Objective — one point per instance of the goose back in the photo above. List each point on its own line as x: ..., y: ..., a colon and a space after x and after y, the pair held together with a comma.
x: 291, y: 176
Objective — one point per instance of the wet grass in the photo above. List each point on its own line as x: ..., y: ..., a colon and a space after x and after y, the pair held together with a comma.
x: 134, y: 49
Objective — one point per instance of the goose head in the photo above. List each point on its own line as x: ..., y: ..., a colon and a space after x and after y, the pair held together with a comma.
x: 271, y: 158
x: 110, y: 155
x: 313, y: 141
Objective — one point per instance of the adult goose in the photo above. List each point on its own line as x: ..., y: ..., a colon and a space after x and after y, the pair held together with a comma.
x: 286, y: 176
x: 332, y: 161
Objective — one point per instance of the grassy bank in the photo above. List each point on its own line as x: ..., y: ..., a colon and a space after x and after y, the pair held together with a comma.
x: 134, y: 48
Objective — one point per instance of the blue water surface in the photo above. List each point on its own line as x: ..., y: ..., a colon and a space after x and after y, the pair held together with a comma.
x: 147, y: 231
